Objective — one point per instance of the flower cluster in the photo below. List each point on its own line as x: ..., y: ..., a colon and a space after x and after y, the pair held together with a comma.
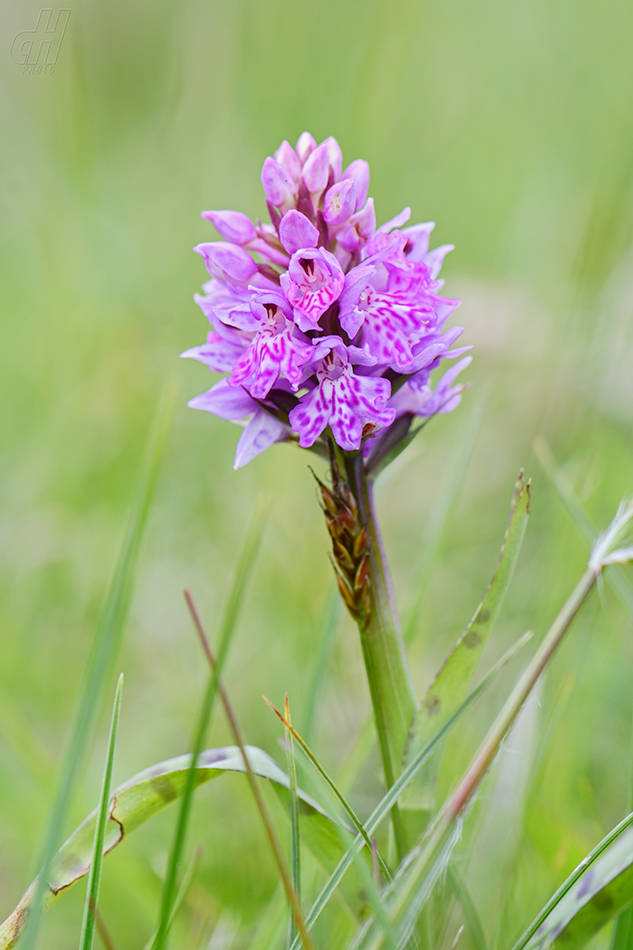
x: 321, y: 319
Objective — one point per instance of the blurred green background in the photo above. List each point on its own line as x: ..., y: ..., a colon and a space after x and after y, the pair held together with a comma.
x: 507, y: 123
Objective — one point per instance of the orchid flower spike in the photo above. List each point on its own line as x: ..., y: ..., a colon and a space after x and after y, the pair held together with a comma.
x: 328, y: 327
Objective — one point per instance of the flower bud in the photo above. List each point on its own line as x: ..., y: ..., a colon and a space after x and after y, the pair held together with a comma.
x: 315, y: 170
x: 305, y: 146
x: 227, y: 261
x: 295, y: 232
x: 278, y: 186
x: 340, y: 202
x: 358, y: 171
x: 232, y: 226
x: 287, y: 157
x: 334, y: 155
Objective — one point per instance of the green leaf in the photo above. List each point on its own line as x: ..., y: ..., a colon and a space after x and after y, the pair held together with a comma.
x: 104, y: 650
x: 142, y: 797
x: 599, y: 888
x: 450, y: 685
x: 94, y: 879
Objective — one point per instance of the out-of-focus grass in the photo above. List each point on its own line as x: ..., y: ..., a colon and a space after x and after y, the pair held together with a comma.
x: 510, y: 125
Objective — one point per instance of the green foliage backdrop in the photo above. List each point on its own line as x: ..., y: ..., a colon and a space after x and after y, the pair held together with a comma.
x: 510, y: 125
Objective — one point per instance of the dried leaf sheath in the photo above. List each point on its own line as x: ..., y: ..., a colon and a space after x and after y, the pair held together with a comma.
x: 350, y: 546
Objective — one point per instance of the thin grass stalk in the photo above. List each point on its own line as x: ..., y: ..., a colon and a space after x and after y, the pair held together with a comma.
x: 94, y: 878
x: 385, y: 805
x: 370, y: 842
x: 269, y: 828
x: 103, y: 654
x: 235, y: 598
x: 295, y: 829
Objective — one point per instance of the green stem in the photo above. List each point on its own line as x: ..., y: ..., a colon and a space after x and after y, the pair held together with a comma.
x: 388, y: 673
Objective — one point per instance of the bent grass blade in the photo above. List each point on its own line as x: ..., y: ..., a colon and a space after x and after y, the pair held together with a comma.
x: 94, y: 878
x: 138, y: 800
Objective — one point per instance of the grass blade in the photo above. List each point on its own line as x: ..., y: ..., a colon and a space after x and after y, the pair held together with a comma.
x: 242, y: 572
x: 295, y: 831
x: 271, y: 834
x: 103, y: 654
x: 333, y: 788
x: 383, y: 808
x: 94, y: 879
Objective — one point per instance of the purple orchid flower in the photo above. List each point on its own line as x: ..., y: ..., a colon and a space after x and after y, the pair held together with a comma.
x: 346, y: 402
x: 319, y: 316
x: 279, y: 348
x: 312, y: 283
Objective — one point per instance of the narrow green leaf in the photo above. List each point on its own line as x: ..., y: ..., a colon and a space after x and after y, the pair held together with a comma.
x: 103, y: 653
x: 243, y: 569
x: 594, y: 892
x: 144, y: 796
x: 94, y: 878
x: 401, y: 783
x: 332, y: 787
x: 451, y: 682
